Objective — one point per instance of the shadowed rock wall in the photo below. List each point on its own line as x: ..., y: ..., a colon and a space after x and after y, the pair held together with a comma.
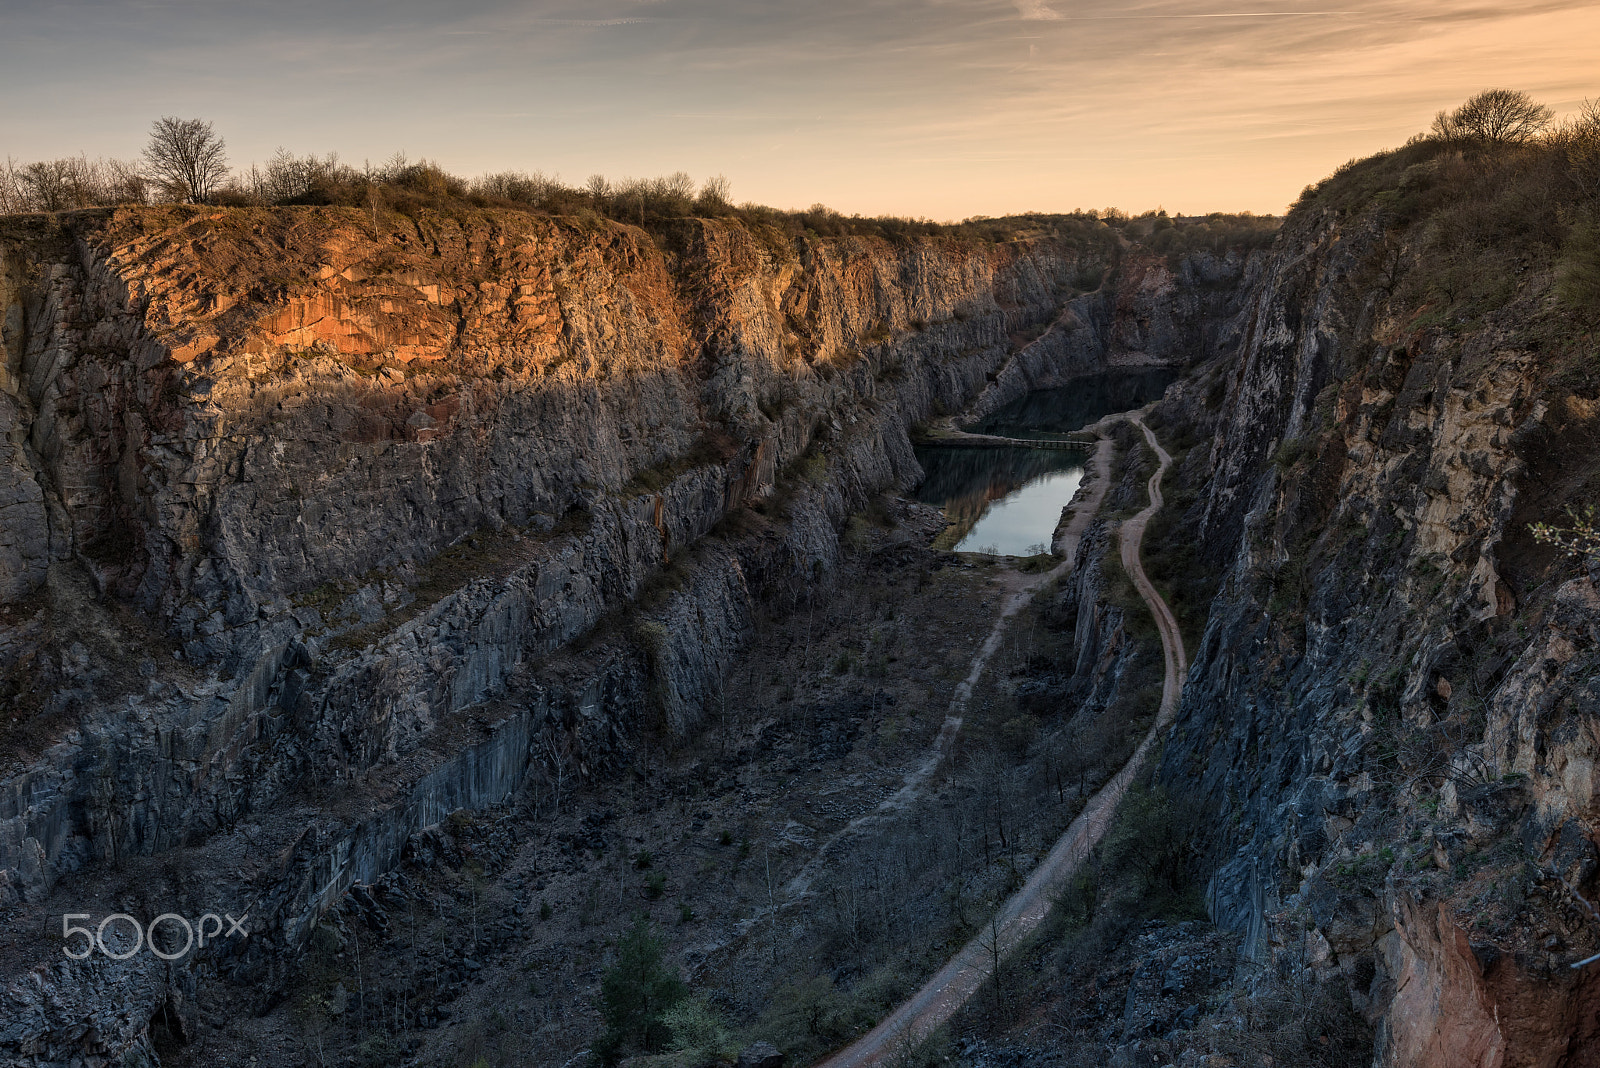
x: 1395, y: 689
x: 316, y: 533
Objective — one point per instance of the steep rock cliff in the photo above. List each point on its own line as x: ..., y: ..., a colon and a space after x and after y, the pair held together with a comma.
x: 1390, y: 714
x: 263, y: 429
x: 317, y: 532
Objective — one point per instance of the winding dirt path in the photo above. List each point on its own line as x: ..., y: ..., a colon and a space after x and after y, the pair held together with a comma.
x: 1022, y: 588
x: 965, y: 974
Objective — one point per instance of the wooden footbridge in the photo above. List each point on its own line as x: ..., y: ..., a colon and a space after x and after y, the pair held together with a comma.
x: 960, y: 439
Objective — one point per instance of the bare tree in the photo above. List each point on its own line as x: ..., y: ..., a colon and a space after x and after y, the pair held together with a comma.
x: 1494, y: 117
x: 555, y: 747
x: 68, y: 184
x: 187, y: 157
x: 1579, y: 138
x: 51, y: 185
x: 13, y: 195
x: 713, y: 196
x: 993, y: 942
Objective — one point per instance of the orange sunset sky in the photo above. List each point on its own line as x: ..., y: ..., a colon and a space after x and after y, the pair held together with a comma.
x: 938, y: 108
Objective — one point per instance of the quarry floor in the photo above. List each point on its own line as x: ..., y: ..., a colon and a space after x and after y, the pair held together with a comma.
x: 858, y: 805
x: 508, y: 923
x: 918, y: 1017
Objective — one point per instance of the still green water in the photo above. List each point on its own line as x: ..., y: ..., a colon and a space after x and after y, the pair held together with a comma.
x: 1007, y: 502
x: 1055, y: 413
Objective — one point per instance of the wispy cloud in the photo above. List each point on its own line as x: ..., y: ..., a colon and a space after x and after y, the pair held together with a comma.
x: 1188, y: 15
x: 1036, y: 10
x: 940, y: 107
x: 589, y: 22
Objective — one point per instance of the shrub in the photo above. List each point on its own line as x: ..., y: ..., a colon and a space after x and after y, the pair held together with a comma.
x: 696, y: 1028
x: 1578, y: 273
x: 69, y: 184
x: 1143, y: 873
x: 1581, y: 540
x: 1298, y: 1019
x: 636, y: 993
x: 1146, y: 856
x: 1578, y: 140
x: 1290, y: 452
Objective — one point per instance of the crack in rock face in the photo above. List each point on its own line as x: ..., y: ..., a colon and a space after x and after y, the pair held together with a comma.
x: 353, y: 575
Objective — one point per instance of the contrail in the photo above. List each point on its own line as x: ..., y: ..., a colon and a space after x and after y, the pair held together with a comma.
x: 626, y: 21
x: 1211, y: 15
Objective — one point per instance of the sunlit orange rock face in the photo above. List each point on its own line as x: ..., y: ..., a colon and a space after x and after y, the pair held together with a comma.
x: 402, y: 292
x: 238, y: 404
x: 365, y: 476
x: 1457, y: 1005
x: 268, y: 376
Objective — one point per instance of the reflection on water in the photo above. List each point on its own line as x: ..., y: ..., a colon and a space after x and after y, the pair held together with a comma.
x: 1004, y: 501
x: 1051, y: 413
x: 1008, y: 501
x: 1022, y: 524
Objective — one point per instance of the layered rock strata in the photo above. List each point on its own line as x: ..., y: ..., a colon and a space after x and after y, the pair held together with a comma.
x: 1391, y: 714
x: 316, y: 531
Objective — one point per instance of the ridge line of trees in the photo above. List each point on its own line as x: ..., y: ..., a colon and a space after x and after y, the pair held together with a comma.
x: 186, y: 163
x: 1496, y: 201
x: 1500, y: 125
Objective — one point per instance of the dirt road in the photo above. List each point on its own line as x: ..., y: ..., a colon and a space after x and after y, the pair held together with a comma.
x: 965, y: 974
x: 1021, y: 588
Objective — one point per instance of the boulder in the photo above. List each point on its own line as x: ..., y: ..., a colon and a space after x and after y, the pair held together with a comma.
x: 760, y: 1055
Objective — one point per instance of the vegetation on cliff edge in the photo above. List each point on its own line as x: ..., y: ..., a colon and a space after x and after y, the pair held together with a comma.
x: 172, y: 172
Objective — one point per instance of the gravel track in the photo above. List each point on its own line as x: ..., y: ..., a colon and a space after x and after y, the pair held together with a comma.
x: 943, y: 995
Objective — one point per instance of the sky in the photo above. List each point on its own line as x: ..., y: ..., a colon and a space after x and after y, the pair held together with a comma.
x: 932, y: 108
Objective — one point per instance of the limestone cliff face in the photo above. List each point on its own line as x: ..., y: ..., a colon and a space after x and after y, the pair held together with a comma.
x: 1392, y: 712
x: 359, y: 479
x: 204, y: 387
x: 315, y: 533
x: 1151, y: 311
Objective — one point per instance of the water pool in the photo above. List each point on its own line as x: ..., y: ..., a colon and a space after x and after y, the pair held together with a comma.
x: 1007, y: 502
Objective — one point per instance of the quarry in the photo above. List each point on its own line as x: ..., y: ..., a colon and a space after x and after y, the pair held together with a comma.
x: 1120, y: 641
